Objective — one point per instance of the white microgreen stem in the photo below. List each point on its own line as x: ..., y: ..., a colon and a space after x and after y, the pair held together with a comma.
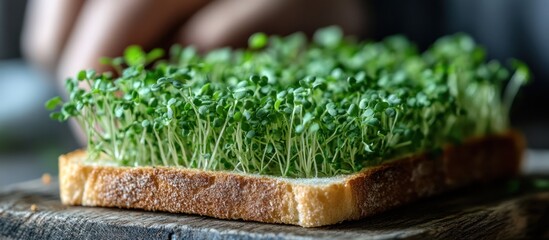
x: 290, y: 108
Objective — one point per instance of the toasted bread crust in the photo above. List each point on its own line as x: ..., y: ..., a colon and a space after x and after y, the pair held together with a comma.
x: 276, y: 200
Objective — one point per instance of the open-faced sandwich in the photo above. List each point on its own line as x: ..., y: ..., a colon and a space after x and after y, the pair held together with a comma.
x: 290, y: 131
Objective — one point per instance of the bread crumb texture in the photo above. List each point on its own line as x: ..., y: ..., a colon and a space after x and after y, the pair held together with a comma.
x: 46, y: 179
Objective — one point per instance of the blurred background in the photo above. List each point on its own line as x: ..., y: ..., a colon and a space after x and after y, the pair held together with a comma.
x: 30, y: 143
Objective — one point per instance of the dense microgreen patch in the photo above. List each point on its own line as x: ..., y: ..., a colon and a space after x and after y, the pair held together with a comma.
x: 287, y: 107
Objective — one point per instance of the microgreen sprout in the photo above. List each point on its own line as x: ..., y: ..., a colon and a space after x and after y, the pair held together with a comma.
x: 287, y: 107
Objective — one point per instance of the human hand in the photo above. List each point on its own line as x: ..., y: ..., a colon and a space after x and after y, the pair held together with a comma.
x: 65, y: 36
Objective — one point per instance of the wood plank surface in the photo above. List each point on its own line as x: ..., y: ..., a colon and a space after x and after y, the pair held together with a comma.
x: 508, y: 209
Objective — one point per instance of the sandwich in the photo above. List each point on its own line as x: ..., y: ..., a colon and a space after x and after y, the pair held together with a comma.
x: 288, y: 130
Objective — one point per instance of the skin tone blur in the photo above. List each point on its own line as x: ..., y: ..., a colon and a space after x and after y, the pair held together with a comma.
x: 63, y: 37
x: 66, y: 36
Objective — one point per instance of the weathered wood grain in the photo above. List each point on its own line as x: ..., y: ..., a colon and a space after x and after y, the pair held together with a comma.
x: 490, y: 211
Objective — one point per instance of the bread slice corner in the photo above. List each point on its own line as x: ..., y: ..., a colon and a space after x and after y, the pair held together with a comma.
x: 304, y: 202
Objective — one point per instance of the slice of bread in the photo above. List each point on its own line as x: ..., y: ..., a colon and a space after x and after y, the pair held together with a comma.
x: 305, y: 202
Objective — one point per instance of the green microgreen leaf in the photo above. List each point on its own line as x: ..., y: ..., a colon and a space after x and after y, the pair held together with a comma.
x: 329, y: 36
x: 258, y: 40
x: 154, y: 55
x: 134, y: 55
x: 81, y: 75
x: 105, y: 60
x: 57, y: 116
x: 285, y: 107
x: 53, y: 103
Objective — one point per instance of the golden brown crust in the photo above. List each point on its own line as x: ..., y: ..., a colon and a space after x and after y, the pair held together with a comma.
x: 401, y: 181
x: 276, y: 200
x: 220, y: 194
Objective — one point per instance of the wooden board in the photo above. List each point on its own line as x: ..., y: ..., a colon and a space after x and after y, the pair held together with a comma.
x: 519, y: 208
